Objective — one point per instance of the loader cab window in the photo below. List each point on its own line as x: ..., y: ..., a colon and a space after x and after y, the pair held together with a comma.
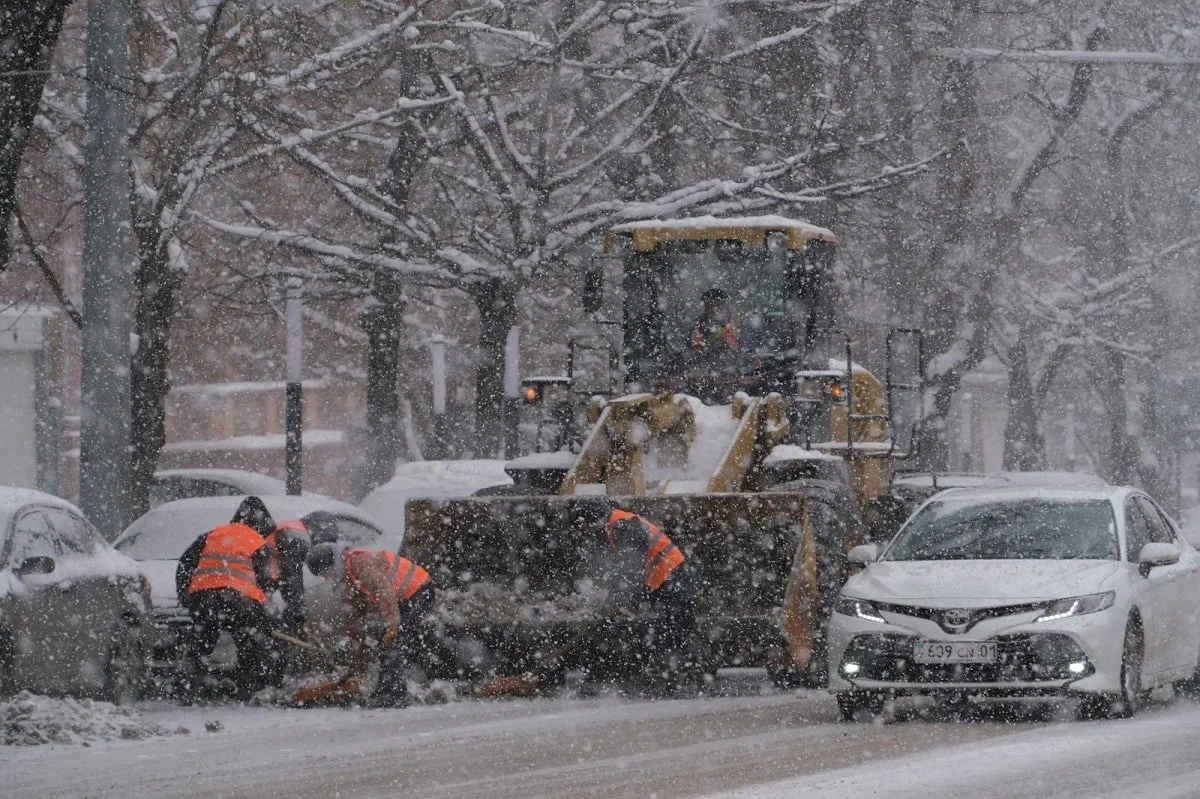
x: 778, y: 303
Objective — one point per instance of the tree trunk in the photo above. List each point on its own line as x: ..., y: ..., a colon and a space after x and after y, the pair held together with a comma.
x: 1024, y: 444
x: 382, y: 320
x: 157, y: 303
x: 29, y: 31
x: 496, y: 301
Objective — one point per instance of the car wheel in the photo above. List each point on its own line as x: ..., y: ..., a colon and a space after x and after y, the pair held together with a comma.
x: 125, y: 671
x: 1131, y: 698
x: 860, y: 705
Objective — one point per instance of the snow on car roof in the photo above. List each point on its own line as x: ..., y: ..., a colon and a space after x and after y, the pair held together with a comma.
x: 1000, y: 479
x: 432, y: 479
x: 176, y: 524
x: 249, y: 481
x: 13, y: 499
x: 1017, y: 493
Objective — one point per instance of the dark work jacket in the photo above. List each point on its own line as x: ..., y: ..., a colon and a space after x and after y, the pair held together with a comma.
x: 188, y: 561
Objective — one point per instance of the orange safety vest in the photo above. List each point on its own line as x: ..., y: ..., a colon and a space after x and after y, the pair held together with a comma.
x: 662, y: 558
x: 405, y: 578
x: 227, y: 561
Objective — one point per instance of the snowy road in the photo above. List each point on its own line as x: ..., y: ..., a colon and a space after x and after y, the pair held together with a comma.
x: 772, y: 745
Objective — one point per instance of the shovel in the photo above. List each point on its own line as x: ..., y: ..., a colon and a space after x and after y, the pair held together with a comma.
x: 331, y: 693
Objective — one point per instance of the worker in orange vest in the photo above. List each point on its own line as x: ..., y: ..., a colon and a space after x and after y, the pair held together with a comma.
x: 650, y: 640
x: 383, y: 586
x: 289, y: 543
x: 224, y: 579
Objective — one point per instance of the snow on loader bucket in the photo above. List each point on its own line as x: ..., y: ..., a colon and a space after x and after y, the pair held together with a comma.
x: 514, y: 576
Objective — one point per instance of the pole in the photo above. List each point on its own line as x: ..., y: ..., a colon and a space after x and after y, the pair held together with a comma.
x: 1069, y: 446
x: 293, y: 408
x: 108, y: 257
x: 966, y: 437
x: 437, y: 355
x: 512, y: 390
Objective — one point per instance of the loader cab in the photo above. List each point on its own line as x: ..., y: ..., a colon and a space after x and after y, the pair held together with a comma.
x: 775, y: 277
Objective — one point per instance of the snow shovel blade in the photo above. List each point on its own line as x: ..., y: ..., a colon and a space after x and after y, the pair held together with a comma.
x: 517, y: 685
x: 328, y: 694
x: 300, y: 643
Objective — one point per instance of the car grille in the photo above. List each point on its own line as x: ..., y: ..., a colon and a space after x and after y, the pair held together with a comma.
x: 1023, y: 658
x: 974, y: 615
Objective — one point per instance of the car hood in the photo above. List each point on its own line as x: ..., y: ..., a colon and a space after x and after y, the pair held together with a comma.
x: 979, y: 583
x: 161, y: 574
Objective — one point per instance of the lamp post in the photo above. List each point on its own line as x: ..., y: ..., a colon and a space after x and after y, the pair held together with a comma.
x: 293, y: 409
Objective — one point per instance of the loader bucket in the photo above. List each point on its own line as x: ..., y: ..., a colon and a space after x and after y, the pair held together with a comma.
x: 515, y: 574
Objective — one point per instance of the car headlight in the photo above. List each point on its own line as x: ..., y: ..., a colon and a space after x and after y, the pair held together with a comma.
x: 1077, y: 606
x: 859, y: 608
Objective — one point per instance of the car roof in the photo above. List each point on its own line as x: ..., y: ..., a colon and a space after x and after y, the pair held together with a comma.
x: 997, y: 479
x: 1019, y: 493
x: 239, y: 478
x: 185, y: 519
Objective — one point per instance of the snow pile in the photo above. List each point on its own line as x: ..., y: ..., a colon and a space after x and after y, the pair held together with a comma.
x: 29, y: 719
x: 492, y: 603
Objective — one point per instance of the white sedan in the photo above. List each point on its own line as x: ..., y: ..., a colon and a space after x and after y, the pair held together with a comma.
x: 1088, y: 592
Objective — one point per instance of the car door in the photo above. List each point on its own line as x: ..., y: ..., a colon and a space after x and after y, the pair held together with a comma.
x: 1151, y: 593
x: 1179, y: 608
x: 93, y: 602
x: 31, y: 612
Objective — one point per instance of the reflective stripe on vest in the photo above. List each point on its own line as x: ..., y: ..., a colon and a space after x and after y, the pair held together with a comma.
x: 662, y: 556
x: 227, y: 561
x: 404, y: 578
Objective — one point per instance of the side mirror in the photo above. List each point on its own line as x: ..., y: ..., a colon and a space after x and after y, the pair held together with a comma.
x: 863, y: 554
x: 593, y: 290
x: 1156, y: 554
x: 38, y: 564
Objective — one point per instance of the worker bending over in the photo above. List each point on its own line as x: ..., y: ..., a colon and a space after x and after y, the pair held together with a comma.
x: 223, y: 580
x: 645, y: 638
x: 376, y: 585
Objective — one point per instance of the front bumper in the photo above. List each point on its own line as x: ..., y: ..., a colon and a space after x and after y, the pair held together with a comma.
x: 1067, y: 656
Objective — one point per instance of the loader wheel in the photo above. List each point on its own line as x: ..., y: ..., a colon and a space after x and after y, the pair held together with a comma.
x: 860, y: 705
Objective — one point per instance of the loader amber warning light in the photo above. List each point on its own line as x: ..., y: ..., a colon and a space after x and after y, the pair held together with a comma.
x: 531, y: 394
x: 837, y: 391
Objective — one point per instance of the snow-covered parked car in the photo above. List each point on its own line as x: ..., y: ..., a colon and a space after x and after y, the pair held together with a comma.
x: 73, y: 611
x: 157, y: 539
x: 169, y: 485
x: 1088, y: 592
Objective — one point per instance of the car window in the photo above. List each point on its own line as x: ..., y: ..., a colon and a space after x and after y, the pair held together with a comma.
x: 32, y: 537
x: 169, y: 489
x: 72, y: 534
x: 356, y: 532
x: 1160, y: 532
x: 970, y: 529
x: 1137, y: 530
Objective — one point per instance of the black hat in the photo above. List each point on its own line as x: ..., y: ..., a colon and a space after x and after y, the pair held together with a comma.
x: 254, y: 514
x: 322, y: 527
x: 321, y: 558
x: 590, y: 512
x: 713, y: 296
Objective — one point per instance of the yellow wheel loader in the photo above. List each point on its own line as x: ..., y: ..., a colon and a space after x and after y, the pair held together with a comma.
x: 733, y: 428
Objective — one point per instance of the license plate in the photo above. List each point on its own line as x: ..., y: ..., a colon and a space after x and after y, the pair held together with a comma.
x: 954, y: 652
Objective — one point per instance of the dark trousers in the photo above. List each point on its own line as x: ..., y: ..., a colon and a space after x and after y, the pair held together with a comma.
x: 410, y: 645
x: 258, y: 661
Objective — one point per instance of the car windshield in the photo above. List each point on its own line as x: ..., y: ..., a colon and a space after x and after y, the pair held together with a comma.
x: 165, y: 532
x: 1008, y: 530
